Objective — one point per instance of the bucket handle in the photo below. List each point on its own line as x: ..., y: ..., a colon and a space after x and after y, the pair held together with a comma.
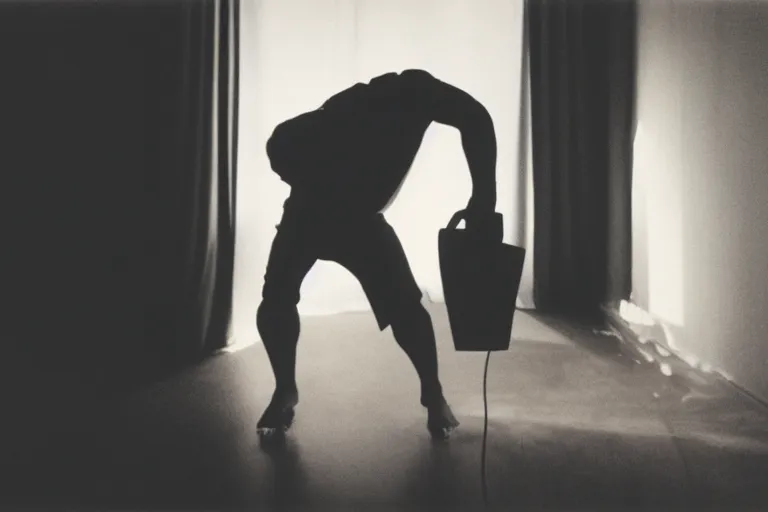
x: 496, y: 228
x: 457, y: 217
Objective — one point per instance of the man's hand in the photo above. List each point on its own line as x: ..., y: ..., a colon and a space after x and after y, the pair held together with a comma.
x: 482, y: 220
x: 481, y: 204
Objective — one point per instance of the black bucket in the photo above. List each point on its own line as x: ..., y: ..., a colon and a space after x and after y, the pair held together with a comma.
x: 481, y: 278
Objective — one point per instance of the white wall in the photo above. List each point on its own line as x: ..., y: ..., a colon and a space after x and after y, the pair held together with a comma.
x: 700, y: 212
x: 296, y: 53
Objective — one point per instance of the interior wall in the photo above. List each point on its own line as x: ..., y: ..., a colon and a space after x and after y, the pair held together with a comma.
x: 700, y: 207
x: 297, y: 53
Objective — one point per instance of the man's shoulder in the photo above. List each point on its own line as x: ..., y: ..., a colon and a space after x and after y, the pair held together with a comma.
x: 388, y: 87
x: 417, y: 74
x: 406, y: 77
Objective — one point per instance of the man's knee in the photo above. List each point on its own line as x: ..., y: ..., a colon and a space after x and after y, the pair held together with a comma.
x: 409, y: 315
x: 279, y: 292
x: 277, y: 319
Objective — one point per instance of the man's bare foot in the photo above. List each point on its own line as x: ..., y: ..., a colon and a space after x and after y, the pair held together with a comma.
x: 440, y: 420
x: 278, y: 417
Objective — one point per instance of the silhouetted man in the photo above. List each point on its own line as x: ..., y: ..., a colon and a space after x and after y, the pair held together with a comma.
x: 345, y: 163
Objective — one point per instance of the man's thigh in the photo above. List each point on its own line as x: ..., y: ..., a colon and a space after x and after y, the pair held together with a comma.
x: 292, y: 255
x: 372, y: 252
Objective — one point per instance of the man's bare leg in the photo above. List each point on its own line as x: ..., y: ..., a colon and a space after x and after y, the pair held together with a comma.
x: 279, y: 329
x: 415, y: 334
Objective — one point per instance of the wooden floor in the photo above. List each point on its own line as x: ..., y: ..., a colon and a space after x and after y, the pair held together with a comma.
x: 575, y: 423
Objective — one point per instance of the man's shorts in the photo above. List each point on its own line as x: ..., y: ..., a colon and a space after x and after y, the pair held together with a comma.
x: 366, y: 245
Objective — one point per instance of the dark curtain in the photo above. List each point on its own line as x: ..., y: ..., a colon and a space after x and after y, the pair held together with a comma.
x: 202, y: 226
x: 228, y: 121
x: 582, y: 63
x: 119, y: 175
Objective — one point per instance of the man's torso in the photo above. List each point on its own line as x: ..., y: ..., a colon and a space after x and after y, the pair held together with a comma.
x: 361, y: 144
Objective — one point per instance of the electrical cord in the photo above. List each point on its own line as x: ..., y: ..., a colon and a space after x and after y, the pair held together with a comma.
x: 485, y: 432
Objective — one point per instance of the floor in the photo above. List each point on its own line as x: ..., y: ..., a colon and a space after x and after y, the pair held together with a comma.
x: 575, y: 423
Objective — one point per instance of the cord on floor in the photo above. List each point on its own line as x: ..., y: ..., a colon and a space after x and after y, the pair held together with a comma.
x: 485, y: 432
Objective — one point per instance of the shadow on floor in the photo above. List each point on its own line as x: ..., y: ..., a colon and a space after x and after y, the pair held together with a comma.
x: 568, y: 429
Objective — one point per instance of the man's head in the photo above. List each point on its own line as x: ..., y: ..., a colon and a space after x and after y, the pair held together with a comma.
x: 281, y: 151
x: 293, y: 143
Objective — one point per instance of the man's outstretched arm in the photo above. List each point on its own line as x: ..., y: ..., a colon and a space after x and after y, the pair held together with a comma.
x: 451, y: 106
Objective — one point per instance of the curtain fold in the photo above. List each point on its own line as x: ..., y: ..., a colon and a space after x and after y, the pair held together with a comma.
x: 581, y: 55
x: 228, y: 92
x: 203, y: 318
x: 190, y: 223
x: 525, y: 202
x: 197, y: 170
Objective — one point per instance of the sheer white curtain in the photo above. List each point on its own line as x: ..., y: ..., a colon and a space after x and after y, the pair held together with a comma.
x: 296, y: 53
